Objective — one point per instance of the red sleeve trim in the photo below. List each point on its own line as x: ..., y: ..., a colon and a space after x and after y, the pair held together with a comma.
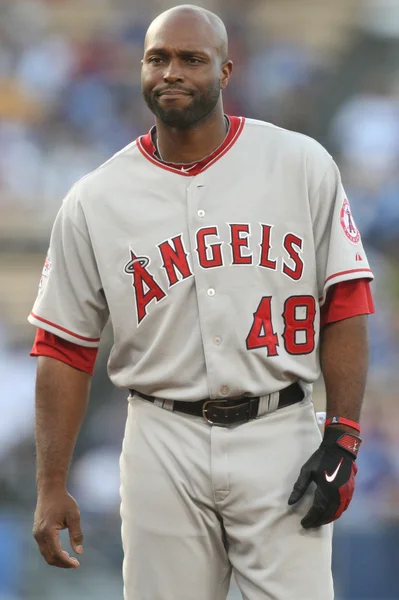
x: 79, y: 337
x: 347, y: 299
x: 347, y: 273
x: 74, y: 355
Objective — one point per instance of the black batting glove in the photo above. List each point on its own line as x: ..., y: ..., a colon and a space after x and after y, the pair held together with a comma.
x: 332, y: 467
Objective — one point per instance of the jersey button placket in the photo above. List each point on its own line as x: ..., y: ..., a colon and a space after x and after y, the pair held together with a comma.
x: 209, y: 303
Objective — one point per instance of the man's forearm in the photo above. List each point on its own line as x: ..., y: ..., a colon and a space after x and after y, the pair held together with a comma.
x: 344, y: 356
x: 62, y: 395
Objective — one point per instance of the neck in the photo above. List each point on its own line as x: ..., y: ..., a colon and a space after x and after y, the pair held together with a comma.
x: 193, y: 144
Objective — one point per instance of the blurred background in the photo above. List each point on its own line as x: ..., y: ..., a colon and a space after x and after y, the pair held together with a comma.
x: 70, y: 98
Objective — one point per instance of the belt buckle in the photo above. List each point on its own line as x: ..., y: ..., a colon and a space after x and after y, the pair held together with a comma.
x: 204, y: 410
x: 223, y: 408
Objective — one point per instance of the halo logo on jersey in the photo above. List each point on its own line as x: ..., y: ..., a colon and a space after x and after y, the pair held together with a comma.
x: 144, y: 261
x: 348, y: 224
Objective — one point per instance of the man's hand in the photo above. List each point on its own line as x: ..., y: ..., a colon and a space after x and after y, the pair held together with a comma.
x: 333, y: 469
x: 57, y: 510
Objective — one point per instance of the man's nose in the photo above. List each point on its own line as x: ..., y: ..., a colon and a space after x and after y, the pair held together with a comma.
x: 173, y: 72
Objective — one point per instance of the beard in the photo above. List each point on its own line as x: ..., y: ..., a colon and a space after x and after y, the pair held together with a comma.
x: 199, y: 108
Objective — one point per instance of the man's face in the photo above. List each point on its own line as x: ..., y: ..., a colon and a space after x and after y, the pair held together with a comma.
x: 181, y: 76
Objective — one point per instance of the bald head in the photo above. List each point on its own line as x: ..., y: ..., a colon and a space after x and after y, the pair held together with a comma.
x: 185, y: 66
x: 188, y: 17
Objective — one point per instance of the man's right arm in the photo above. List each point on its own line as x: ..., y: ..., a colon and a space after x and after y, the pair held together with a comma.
x: 62, y: 395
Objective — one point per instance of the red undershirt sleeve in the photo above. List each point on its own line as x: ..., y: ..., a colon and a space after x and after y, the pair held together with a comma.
x: 347, y: 299
x: 74, y: 355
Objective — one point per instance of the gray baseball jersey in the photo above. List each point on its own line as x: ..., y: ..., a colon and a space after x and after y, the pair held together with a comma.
x: 212, y: 275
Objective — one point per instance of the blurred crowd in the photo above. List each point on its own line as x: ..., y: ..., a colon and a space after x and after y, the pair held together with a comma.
x: 69, y: 98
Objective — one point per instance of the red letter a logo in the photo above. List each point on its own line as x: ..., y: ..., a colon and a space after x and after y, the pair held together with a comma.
x: 137, y: 267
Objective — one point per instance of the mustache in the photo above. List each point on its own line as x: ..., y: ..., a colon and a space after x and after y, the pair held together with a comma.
x: 173, y: 88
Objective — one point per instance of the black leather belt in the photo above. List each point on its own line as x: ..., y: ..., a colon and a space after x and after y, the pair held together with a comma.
x: 228, y: 412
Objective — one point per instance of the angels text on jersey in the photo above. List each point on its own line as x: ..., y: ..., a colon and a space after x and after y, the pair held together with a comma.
x: 284, y: 256
x: 175, y: 259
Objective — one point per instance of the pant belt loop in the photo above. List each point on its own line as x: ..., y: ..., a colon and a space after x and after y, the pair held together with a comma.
x: 268, y: 404
x: 159, y: 402
x: 168, y: 404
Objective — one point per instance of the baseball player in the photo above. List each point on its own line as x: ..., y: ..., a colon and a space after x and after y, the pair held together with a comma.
x: 224, y: 252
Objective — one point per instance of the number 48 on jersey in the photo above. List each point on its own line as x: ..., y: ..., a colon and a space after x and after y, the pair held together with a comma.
x: 299, y: 332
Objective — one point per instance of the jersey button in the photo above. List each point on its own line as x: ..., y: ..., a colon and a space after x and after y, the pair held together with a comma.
x: 217, y: 340
x: 211, y: 292
x: 224, y: 390
x: 201, y: 213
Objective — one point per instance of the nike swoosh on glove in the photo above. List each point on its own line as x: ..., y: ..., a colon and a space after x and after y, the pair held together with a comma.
x: 332, y: 467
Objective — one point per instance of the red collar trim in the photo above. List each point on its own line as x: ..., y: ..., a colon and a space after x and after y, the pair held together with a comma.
x: 148, y: 150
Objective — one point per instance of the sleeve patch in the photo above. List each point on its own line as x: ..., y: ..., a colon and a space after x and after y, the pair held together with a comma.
x: 45, y: 272
x: 348, y: 224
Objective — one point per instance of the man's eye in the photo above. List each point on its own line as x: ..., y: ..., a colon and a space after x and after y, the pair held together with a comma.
x: 194, y: 61
x: 155, y: 59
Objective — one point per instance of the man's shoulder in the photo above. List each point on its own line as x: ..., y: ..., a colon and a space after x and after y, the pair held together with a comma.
x: 279, y: 138
x: 108, y: 169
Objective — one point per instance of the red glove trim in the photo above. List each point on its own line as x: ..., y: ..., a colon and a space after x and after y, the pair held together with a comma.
x: 345, y: 494
x: 349, y: 442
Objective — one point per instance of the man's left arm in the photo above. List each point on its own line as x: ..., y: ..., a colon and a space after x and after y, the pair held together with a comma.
x: 344, y: 363
x: 344, y: 357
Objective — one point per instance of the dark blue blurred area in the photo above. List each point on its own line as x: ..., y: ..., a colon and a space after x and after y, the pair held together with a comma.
x: 70, y: 97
